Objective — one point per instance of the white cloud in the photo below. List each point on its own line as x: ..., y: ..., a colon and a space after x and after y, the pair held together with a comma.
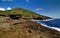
x: 7, y: 0
x: 4, y: 9
x: 8, y: 8
x: 27, y: 0
x: 38, y: 9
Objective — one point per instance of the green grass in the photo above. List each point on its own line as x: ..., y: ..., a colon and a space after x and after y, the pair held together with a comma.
x: 23, y: 12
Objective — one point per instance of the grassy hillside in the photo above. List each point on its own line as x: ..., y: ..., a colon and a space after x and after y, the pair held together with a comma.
x: 25, y: 29
x: 23, y: 12
x: 10, y: 28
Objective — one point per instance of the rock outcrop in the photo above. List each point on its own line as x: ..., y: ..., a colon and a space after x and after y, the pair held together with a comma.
x: 12, y: 16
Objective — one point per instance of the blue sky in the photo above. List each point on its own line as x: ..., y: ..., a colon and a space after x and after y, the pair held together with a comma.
x: 45, y: 7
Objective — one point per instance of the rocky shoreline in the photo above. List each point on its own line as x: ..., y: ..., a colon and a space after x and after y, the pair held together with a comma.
x: 21, y: 28
x: 18, y: 16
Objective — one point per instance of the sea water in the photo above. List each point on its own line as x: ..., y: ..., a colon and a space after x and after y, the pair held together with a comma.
x: 53, y: 23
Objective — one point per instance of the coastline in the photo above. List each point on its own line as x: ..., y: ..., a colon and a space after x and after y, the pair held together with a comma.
x: 58, y: 29
x: 25, y: 29
x: 43, y: 20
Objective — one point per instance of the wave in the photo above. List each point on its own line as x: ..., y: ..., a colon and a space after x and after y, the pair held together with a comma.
x: 38, y: 21
x: 48, y: 19
x: 58, y: 29
x: 44, y: 20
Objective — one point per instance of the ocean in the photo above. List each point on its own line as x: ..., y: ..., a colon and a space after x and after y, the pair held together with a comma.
x: 53, y: 23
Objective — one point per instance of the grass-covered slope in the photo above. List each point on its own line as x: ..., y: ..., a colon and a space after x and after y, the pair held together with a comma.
x: 25, y: 29
x: 24, y: 12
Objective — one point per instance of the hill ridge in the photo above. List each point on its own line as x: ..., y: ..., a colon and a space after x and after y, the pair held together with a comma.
x: 25, y: 13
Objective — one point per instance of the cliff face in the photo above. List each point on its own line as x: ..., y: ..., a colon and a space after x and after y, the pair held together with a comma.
x: 21, y: 28
x: 25, y: 13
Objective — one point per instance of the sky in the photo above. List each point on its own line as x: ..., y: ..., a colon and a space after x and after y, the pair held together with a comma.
x: 49, y: 8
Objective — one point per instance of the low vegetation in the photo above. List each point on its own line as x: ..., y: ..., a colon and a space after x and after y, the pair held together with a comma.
x: 25, y: 29
x: 21, y: 28
x: 24, y: 13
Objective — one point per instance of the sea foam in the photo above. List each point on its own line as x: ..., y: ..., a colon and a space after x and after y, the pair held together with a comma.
x: 44, y: 20
x: 58, y: 29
